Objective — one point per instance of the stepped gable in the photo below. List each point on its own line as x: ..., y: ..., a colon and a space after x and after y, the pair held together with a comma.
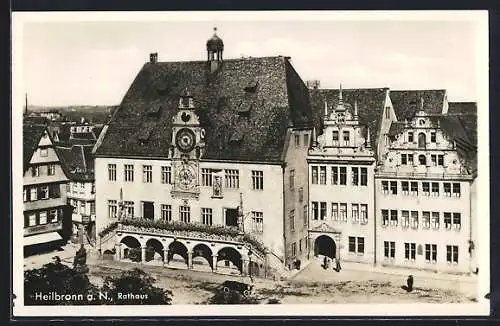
x: 370, y: 101
x: 406, y: 103
x: 256, y: 98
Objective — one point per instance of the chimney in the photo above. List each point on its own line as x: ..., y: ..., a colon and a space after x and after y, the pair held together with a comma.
x: 153, y: 57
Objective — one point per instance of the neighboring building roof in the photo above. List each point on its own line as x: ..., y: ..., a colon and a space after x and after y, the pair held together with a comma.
x: 396, y: 128
x: 84, y: 135
x: 97, y: 131
x: 32, y: 133
x: 407, y: 103
x: 77, y: 162
x: 371, y: 103
x: 469, y: 121
x: 276, y: 96
x: 462, y: 108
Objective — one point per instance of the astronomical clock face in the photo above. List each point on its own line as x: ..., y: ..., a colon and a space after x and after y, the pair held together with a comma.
x: 185, y: 140
x: 186, y: 177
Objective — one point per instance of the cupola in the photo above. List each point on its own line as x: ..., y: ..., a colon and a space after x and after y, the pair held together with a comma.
x: 215, y: 48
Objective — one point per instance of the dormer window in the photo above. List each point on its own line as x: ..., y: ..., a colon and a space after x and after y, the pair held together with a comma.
x: 154, y: 110
x: 252, y: 86
x: 346, y: 137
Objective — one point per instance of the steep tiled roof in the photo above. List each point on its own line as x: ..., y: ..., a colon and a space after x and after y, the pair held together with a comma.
x: 32, y: 133
x: 275, y: 96
x: 35, y: 120
x: 77, y: 162
x: 469, y: 121
x: 396, y: 128
x: 407, y: 103
x: 370, y: 106
x: 462, y: 108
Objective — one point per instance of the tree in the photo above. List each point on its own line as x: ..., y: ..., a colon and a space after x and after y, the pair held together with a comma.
x: 231, y: 297
x: 135, y: 287
x: 58, y: 284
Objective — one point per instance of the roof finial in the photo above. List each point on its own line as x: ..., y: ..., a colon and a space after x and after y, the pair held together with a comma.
x: 326, y: 109
x: 368, y: 141
x: 356, y: 109
x: 26, y: 104
x: 421, y: 103
x: 314, y: 142
x: 215, y: 30
x: 340, y: 93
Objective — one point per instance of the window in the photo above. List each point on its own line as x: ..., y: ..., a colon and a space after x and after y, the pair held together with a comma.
x: 456, y: 221
x: 315, y: 210
x: 405, y: 188
x: 92, y: 208
x: 447, y: 220
x: 452, y: 254
x: 112, y: 208
x: 42, y: 217
x: 433, y: 160
x: 421, y: 140
x: 405, y: 219
x: 129, y: 173
x: 404, y: 160
x: 185, y: 214
x: 394, y: 217
x: 53, y: 216
x: 257, y: 222
x: 414, y: 188
x: 426, y: 220
x: 387, y: 112
x: 414, y: 219
x: 305, y: 214
x: 355, y: 213
x: 364, y: 176
x: 394, y: 187
x: 441, y: 160
x: 357, y: 245
x: 322, y: 175
x: 257, y: 180
x: 92, y: 190
x: 301, y: 194
x: 322, y: 208
x: 335, y: 175
x: 433, y: 136
x: 410, y: 137
x: 111, y: 172
x: 51, y: 169
x: 410, y: 250
x: 206, y: 216
x: 435, y: 220
x: 422, y: 160
x: 25, y: 195
x: 147, y: 173
x: 297, y: 140
x: 33, y: 194
x: 294, y: 249
x: 335, y: 137
x: 385, y: 187
x: 232, y: 179
x: 426, y: 188
x: 82, y: 207
x: 435, y: 189
x: 314, y: 173
x: 32, y: 220
x: 456, y: 189
x: 335, y: 211
x: 35, y: 171
x: 300, y: 245
x: 346, y: 138
x: 355, y: 176
x: 129, y: 208
x: 430, y: 252
x: 206, y: 177
x: 343, y: 212
x: 385, y: 217
x: 389, y: 249
x: 166, y: 212
x: 364, y: 214
x: 306, y: 140
x: 410, y: 159
x: 291, y: 217
x: 292, y: 179
x: 343, y: 176
x: 166, y: 174
x: 43, y: 192
x: 447, y: 189
x: 44, y: 152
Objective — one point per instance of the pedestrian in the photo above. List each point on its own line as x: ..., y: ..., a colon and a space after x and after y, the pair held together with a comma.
x: 334, y: 263
x: 338, y: 267
x: 409, y: 283
x: 324, y: 262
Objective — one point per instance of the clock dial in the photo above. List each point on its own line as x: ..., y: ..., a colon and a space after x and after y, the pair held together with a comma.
x: 186, y: 177
x: 185, y: 140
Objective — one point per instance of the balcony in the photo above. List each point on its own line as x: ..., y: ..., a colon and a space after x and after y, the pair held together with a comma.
x: 50, y: 227
x: 186, y: 230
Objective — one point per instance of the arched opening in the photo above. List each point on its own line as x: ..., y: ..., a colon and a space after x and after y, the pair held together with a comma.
x: 231, y: 259
x: 324, y: 245
x: 422, y: 160
x: 202, y: 257
x: 154, y: 250
x: 253, y: 269
x: 132, y: 248
x: 421, y: 140
x: 177, y: 253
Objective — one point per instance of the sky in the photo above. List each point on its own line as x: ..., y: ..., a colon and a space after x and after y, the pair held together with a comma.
x: 94, y: 62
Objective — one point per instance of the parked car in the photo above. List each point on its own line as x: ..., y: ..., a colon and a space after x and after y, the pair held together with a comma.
x: 240, y: 287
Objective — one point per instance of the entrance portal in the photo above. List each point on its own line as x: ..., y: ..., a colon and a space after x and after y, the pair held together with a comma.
x: 231, y: 217
x: 324, y: 245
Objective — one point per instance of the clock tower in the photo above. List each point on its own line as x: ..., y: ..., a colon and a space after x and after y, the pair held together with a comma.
x: 187, y: 148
